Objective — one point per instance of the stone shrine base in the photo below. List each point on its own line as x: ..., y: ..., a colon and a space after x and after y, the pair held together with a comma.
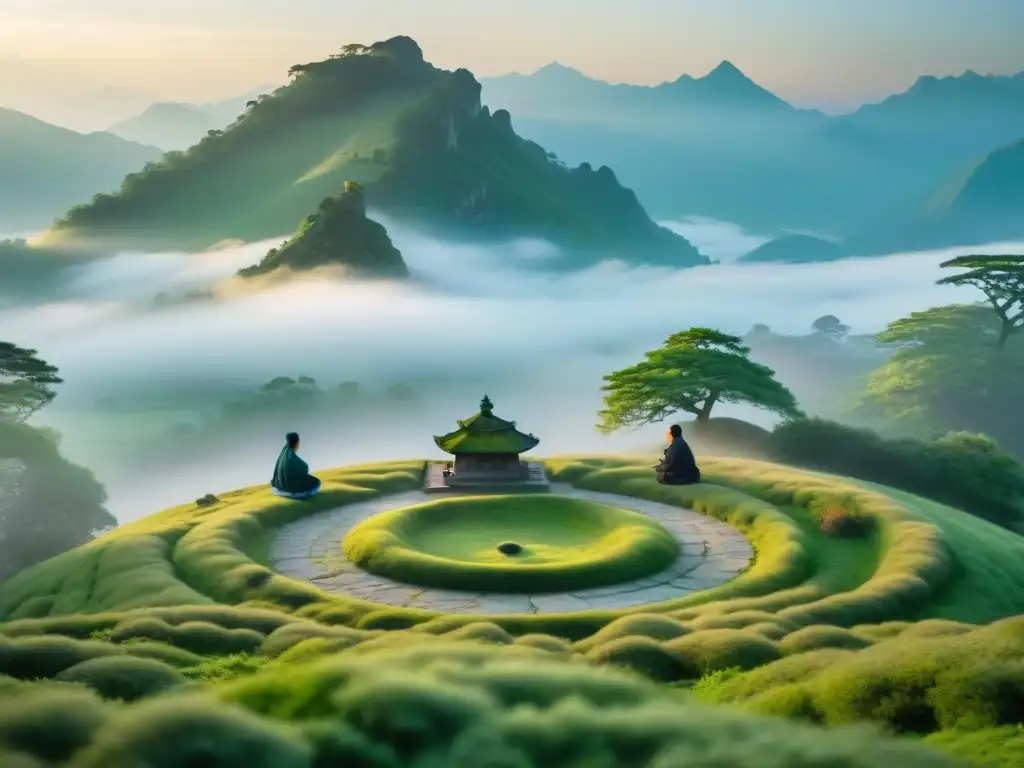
x: 535, y: 481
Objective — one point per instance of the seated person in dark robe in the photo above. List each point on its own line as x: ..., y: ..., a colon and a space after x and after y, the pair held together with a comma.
x: 679, y: 467
x: 291, y: 474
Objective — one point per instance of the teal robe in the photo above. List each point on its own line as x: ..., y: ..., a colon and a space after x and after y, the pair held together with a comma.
x: 291, y: 474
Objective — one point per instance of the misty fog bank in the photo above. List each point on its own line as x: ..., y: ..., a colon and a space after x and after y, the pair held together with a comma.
x: 475, y: 320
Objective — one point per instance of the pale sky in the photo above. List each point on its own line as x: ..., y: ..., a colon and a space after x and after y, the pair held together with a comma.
x: 812, y: 52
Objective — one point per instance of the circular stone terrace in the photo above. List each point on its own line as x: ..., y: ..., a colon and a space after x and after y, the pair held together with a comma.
x: 711, y: 553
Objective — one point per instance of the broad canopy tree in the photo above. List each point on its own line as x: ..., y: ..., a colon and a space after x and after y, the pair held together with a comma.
x: 1001, y: 279
x: 950, y: 373
x: 831, y: 327
x: 25, y: 383
x: 694, y: 371
x: 47, y: 504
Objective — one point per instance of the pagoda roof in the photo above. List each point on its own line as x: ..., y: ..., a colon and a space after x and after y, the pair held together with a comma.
x: 485, y: 433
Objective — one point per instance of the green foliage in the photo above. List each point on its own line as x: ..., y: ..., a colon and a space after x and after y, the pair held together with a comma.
x: 966, y: 471
x: 839, y: 516
x: 830, y: 326
x: 25, y: 383
x: 338, y: 234
x: 693, y: 371
x: 948, y: 374
x: 123, y: 677
x: 57, y: 505
x: 414, y: 137
x: 1001, y: 279
x: 971, y: 681
x: 567, y: 544
x: 441, y: 704
x: 643, y: 655
x: 1001, y: 747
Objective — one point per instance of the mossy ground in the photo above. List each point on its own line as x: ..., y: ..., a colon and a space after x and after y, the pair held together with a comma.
x: 566, y: 544
x: 911, y: 631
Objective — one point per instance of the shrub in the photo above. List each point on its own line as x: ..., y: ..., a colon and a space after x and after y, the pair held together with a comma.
x: 988, y: 748
x: 714, y: 649
x: 450, y: 704
x: 123, y: 677
x: 643, y: 655
x: 652, y: 625
x: 291, y: 635
x: 205, y: 638
x: 49, y: 723
x: 838, y: 516
x: 911, y: 685
x: 200, y: 637
x: 192, y: 731
x: 168, y: 654
x: 969, y: 472
x: 484, y: 631
x: 28, y: 658
x: 544, y: 643
x: 818, y: 637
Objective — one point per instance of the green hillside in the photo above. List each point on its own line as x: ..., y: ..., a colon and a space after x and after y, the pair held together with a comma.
x: 796, y: 249
x: 983, y: 203
x: 415, y: 137
x: 44, y: 169
x: 338, y: 235
x: 909, y: 627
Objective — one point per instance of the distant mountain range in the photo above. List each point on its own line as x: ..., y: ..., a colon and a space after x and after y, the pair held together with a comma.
x: 562, y: 94
x: 936, y: 165
x: 416, y: 138
x: 44, y: 169
x: 175, y: 126
x: 57, y: 93
x: 722, y: 146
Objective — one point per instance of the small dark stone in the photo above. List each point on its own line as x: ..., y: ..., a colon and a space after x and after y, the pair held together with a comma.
x: 510, y: 548
x: 207, y: 501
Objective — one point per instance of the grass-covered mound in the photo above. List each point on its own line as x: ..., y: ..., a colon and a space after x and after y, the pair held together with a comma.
x: 435, y: 705
x: 820, y: 627
x: 554, y: 544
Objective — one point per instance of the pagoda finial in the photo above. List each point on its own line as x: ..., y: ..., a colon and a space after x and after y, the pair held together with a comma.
x: 486, y: 407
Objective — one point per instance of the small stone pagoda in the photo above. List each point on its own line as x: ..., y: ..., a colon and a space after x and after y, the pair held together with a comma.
x: 486, y: 450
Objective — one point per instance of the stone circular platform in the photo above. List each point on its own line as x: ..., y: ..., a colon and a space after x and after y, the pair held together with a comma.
x: 711, y: 553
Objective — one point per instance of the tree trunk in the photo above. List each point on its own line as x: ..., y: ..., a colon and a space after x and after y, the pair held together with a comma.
x: 705, y: 410
x: 1004, y: 334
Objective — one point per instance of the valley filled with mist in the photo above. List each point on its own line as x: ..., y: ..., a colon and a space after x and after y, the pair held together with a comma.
x: 147, y: 385
x: 440, y: 255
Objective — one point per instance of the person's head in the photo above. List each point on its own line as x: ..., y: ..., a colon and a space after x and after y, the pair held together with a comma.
x: 675, y: 431
x: 293, y: 440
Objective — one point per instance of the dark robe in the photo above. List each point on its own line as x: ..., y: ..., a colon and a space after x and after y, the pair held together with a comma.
x: 291, y: 475
x: 679, y: 466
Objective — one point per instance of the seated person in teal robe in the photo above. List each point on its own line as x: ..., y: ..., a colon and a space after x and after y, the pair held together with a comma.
x: 291, y: 474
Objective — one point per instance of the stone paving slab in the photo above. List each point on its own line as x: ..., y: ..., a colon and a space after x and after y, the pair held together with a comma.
x: 711, y: 553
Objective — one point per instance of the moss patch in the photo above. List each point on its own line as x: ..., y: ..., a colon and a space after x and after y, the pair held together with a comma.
x: 564, y: 544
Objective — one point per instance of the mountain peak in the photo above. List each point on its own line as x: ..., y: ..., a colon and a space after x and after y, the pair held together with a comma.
x: 726, y: 71
x: 557, y: 69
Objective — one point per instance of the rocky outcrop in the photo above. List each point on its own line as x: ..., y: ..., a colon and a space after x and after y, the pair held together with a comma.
x: 338, y: 235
